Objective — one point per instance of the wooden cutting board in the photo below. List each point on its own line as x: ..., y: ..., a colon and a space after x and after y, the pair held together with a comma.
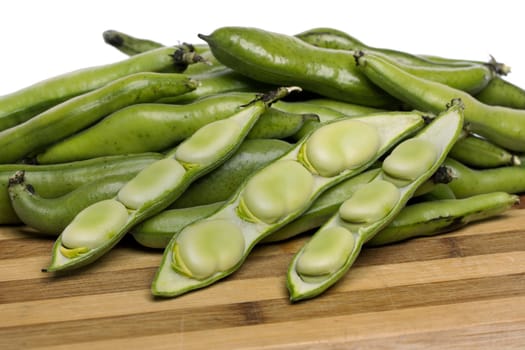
x: 465, y: 289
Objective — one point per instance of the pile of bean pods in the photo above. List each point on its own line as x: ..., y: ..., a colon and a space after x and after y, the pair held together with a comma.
x: 251, y: 137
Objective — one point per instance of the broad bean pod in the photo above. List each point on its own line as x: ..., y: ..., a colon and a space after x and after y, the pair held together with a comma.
x: 468, y: 182
x: 500, y: 92
x: 332, y: 38
x: 441, y: 216
x: 477, y: 152
x: 129, y: 44
x: 210, y: 249
x: 332, y: 250
x: 24, y: 104
x: 57, y: 179
x: 51, y: 215
x: 77, y: 113
x: 155, y: 127
x: 500, y: 125
x: 280, y: 59
x: 97, y: 228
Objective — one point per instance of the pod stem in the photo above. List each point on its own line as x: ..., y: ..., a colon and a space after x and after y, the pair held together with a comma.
x: 17, y: 178
x: 443, y: 175
x: 498, y: 67
x: 185, y: 55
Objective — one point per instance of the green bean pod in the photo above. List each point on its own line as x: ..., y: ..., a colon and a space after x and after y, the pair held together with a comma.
x: 441, y: 216
x: 21, y: 105
x: 481, y: 153
x: 277, y: 59
x: 210, y: 249
x: 152, y: 127
x: 331, y: 251
x: 332, y: 38
x: 97, y: 228
x: 51, y: 215
x: 500, y: 92
x: 281, y: 59
x: 468, y: 76
x: 57, y: 179
x: 80, y: 112
x: 128, y: 44
x: 468, y: 182
x: 500, y: 125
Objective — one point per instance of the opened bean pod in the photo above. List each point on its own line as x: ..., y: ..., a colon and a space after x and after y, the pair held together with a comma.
x: 210, y: 249
x: 97, y: 228
x: 330, y: 253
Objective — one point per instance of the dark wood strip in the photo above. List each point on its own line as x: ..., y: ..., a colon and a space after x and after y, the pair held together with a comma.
x: 75, y: 284
x: 332, y: 303
x: 91, y: 281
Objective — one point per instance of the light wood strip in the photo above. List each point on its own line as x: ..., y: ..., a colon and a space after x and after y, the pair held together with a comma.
x: 377, y: 277
x: 341, y: 331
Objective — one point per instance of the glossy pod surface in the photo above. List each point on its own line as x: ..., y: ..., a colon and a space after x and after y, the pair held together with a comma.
x: 285, y: 60
x: 500, y: 125
x: 79, y: 112
x: 22, y: 105
x: 155, y: 127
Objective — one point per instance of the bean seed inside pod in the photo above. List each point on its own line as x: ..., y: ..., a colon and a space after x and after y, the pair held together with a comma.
x: 325, y: 253
x: 207, y: 247
x: 151, y: 182
x: 336, y: 147
x: 410, y: 159
x: 201, y: 148
x: 277, y: 190
x: 95, y: 225
x: 370, y: 203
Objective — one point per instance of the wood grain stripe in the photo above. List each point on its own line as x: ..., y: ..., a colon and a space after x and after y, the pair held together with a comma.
x: 359, y: 279
x: 310, y: 333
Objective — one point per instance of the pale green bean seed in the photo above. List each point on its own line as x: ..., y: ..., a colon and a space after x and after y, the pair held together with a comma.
x: 202, y: 147
x: 277, y: 190
x: 151, y: 182
x: 370, y: 203
x: 336, y: 147
x: 207, y: 247
x: 95, y: 225
x: 410, y: 159
x: 325, y: 253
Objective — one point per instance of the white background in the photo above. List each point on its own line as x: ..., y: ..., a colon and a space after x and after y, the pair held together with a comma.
x: 40, y: 39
